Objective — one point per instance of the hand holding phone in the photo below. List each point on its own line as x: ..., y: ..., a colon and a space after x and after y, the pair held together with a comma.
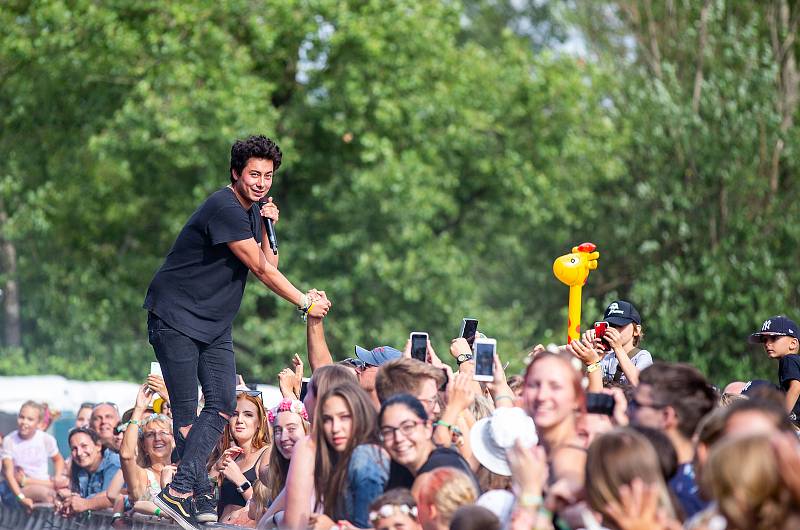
x: 419, y: 345
x: 600, y: 329
x: 484, y: 359
x: 469, y: 328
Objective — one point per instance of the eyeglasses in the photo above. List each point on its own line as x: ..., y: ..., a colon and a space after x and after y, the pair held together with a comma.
x: 428, y: 402
x: 150, y: 435
x: 407, y: 427
x: 633, y: 404
x: 87, y: 405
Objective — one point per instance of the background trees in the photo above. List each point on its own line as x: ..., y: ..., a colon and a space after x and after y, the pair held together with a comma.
x: 438, y: 157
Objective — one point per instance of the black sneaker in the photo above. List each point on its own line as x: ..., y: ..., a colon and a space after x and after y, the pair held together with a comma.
x: 177, y: 508
x: 205, y: 508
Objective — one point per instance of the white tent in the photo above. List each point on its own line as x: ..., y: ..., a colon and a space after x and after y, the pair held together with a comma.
x: 67, y: 395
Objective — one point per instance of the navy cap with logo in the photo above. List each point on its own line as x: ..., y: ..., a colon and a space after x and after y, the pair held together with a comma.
x: 621, y: 313
x: 378, y: 356
x: 776, y: 326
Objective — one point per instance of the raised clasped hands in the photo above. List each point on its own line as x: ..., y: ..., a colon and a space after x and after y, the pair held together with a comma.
x: 320, y: 303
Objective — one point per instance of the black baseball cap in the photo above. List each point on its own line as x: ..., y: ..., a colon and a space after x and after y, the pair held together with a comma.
x: 776, y: 326
x: 621, y: 313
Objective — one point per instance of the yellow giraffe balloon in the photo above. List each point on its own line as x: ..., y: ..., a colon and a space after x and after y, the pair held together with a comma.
x: 573, y: 270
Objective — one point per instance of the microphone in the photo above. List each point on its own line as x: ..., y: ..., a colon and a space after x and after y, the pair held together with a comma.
x: 273, y: 239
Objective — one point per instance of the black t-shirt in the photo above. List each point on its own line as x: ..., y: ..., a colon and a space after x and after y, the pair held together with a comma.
x: 788, y: 371
x: 199, y: 288
x: 401, y: 477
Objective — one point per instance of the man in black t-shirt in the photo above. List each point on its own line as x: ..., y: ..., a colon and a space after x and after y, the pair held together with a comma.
x: 780, y: 337
x: 191, y: 303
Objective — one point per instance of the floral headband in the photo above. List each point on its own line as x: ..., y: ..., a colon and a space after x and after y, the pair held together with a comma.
x: 288, y: 405
x: 388, y: 510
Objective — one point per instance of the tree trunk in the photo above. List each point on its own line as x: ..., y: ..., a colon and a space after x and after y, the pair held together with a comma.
x: 10, y: 294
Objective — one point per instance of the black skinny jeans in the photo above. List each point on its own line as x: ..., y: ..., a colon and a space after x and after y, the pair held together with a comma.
x: 184, y: 361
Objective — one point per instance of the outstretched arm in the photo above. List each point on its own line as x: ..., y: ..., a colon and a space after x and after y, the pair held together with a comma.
x: 249, y: 253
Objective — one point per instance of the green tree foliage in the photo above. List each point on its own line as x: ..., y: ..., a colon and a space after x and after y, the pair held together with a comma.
x: 708, y: 203
x: 438, y: 157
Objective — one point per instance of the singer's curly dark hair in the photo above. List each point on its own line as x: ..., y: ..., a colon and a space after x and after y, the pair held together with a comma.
x: 254, y: 147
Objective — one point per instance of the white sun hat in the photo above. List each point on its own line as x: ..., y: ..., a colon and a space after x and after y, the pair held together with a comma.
x: 491, y: 437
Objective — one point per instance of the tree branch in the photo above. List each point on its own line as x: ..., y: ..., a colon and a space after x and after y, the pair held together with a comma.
x: 701, y: 47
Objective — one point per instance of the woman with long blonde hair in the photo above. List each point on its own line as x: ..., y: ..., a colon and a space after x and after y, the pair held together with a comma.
x: 239, y: 460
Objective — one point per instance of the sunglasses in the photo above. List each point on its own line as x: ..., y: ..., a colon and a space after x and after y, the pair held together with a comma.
x: 358, y: 364
x: 251, y: 393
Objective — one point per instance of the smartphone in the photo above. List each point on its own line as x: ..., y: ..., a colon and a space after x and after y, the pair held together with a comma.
x: 469, y: 327
x: 419, y: 345
x: 155, y: 369
x: 597, y: 403
x: 304, y: 387
x: 484, y: 359
x: 600, y: 332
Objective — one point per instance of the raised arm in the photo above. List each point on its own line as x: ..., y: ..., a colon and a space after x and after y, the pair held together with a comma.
x: 628, y: 368
x: 299, y: 486
x: 318, y: 352
x: 133, y: 474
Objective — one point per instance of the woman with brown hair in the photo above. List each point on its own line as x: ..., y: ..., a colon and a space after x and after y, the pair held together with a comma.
x: 350, y: 469
x: 742, y: 474
x: 238, y: 459
x: 617, y: 459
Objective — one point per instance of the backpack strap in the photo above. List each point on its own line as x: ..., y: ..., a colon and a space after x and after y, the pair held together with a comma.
x: 618, y: 373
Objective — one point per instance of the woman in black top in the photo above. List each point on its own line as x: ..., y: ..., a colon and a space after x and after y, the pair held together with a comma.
x: 240, y: 456
x: 406, y: 434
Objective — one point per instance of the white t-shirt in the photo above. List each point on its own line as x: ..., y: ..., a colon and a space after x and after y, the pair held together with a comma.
x: 609, y: 363
x: 31, y: 455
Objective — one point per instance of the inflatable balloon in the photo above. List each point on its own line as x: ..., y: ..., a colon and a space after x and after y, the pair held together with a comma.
x: 573, y: 270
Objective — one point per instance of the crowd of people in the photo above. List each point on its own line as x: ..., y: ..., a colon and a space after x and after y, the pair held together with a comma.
x: 595, y: 434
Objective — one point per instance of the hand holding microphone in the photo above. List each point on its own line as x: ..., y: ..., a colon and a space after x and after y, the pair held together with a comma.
x: 270, y: 214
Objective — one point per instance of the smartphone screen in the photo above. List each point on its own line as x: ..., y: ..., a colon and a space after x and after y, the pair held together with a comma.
x: 419, y: 346
x: 600, y: 332
x: 155, y: 369
x: 484, y: 360
x: 469, y: 326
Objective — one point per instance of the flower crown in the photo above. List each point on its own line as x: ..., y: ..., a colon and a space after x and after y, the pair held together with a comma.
x: 288, y: 405
x: 387, y: 510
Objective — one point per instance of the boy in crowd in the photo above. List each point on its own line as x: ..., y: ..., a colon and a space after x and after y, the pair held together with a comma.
x: 28, y: 449
x: 624, y: 360
x: 779, y: 336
